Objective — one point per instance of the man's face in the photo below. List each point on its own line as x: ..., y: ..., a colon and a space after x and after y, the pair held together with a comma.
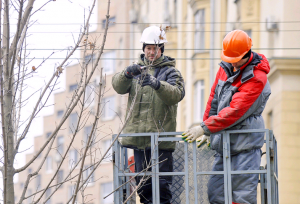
x: 150, y: 52
x: 240, y: 63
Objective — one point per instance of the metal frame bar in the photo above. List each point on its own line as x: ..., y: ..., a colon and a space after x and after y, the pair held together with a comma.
x: 156, y: 167
x: 115, y: 170
x: 226, y: 159
x: 267, y: 176
x: 121, y: 168
x: 195, y: 174
x: 262, y: 187
x: 186, y: 170
x: 153, y: 161
x: 127, y: 186
x: 269, y: 195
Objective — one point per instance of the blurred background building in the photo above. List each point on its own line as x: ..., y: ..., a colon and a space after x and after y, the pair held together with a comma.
x: 195, y: 40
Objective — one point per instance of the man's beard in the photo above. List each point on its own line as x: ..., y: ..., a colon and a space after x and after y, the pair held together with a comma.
x: 153, y: 59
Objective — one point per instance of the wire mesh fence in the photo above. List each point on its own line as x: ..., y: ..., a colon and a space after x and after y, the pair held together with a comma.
x: 192, y: 170
x: 205, y: 158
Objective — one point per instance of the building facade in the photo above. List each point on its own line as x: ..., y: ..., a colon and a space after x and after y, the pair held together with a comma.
x: 195, y: 40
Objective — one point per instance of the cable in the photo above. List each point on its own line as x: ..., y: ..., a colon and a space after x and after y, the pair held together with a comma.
x: 188, y: 31
x: 66, y: 49
x: 168, y: 23
x: 288, y: 58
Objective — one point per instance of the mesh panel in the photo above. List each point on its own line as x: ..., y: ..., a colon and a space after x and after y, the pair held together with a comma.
x: 205, y: 158
x: 177, y: 188
x: 202, y: 181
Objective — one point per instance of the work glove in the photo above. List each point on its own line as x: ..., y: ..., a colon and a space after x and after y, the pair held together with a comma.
x: 149, y: 80
x: 202, y: 140
x: 132, y: 70
x: 192, y: 134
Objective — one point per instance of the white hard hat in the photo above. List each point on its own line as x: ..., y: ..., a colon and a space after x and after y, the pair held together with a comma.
x: 153, y: 35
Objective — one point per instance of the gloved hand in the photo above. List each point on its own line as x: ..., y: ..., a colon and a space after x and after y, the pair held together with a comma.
x: 132, y: 70
x: 203, y: 139
x: 149, y: 80
x: 192, y: 134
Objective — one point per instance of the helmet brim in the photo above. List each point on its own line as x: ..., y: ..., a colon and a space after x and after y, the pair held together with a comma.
x: 231, y: 59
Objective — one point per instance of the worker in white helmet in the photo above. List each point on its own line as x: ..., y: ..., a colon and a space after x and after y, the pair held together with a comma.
x: 161, y: 87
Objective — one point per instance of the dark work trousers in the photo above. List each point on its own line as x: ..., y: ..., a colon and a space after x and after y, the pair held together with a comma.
x: 142, y: 160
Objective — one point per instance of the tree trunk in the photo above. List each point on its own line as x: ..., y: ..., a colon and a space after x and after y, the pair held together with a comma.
x: 8, y: 135
x: 9, y: 139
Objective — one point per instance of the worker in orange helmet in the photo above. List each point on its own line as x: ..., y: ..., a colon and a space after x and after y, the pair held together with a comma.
x: 237, y: 99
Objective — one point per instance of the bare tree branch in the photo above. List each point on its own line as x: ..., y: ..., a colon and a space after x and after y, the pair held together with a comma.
x: 36, y: 172
x: 89, y: 139
x: 57, y: 73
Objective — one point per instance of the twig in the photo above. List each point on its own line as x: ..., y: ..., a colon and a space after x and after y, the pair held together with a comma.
x: 35, y: 173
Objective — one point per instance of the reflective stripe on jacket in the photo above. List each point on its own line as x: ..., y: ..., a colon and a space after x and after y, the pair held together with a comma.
x: 236, y: 101
x: 154, y: 110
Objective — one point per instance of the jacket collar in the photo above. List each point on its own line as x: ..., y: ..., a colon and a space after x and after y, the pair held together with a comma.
x: 160, y: 62
x: 246, y: 70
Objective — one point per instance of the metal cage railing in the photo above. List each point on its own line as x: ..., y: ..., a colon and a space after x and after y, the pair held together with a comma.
x: 188, y: 187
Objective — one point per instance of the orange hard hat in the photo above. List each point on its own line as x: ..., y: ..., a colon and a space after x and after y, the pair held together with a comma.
x: 235, y: 45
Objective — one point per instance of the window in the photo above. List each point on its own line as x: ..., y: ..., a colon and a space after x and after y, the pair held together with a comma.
x: 47, y: 194
x: 89, y: 96
x: 73, y: 122
x: 167, y: 12
x: 39, y: 156
x: 175, y: 13
x: 71, y: 191
x: 98, y: 81
x: 121, y: 47
x: 60, y: 176
x: 86, y: 173
x: 73, y: 87
x: 38, y: 182
x: 86, y: 134
x: 49, y: 164
x: 107, y: 188
x: 72, y: 158
x: 29, y: 200
x: 109, y: 107
x: 111, y: 22
x: 60, y: 113
x: 270, y: 120
x: 249, y: 32
x: 88, y: 59
x: 106, y: 145
x: 238, y: 6
x: 60, y: 145
x: 199, y: 30
x: 48, y: 134
x: 108, y: 62
x: 199, y: 101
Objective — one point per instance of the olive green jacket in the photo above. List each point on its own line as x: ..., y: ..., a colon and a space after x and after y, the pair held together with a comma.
x: 153, y: 110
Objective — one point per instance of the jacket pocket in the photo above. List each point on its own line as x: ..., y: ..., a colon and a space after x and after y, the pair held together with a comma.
x: 137, y: 102
x: 217, y: 143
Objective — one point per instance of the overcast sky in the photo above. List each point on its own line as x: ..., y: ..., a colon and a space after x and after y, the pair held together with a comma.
x: 56, y: 27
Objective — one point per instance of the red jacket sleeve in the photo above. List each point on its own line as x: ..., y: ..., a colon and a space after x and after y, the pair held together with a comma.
x: 242, y: 104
